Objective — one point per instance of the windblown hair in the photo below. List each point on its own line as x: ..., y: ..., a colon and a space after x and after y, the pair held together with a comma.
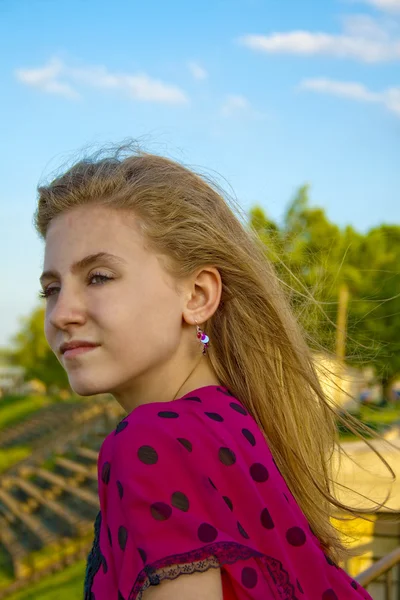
x: 258, y: 350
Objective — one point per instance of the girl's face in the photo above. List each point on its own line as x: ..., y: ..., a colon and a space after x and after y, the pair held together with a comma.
x: 120, y: 299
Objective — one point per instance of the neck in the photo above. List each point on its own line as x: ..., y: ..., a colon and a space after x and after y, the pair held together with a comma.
x: 164, y: 387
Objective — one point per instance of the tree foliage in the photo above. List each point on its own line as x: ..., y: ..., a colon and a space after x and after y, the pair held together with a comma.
x: 31, y: 350
x: 314, y: 257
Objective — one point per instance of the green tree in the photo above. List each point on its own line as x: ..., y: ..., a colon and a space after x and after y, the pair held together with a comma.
x: 374, y: 316
x: 31, y: 351
x: 314, y: 257
x: 309, y: 250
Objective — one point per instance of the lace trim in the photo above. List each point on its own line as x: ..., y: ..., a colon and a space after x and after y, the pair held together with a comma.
x: 211, y: 556
x: 94, y: 561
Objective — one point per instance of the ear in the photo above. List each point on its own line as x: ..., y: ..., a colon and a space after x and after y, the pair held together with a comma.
x: 202, y: 295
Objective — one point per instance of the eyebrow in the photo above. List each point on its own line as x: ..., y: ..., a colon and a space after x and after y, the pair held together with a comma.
x: 84, y: 263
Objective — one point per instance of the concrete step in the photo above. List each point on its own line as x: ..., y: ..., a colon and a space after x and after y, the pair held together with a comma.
x: 10, y: 541
x: 72, y: 465
x: 64, y: 484
x: 47, y: 418
x: 62, y: 511
x: 31, y: 521
x: 87, y: 453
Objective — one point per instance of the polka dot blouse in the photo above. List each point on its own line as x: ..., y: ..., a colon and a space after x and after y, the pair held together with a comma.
x: 189, y: 485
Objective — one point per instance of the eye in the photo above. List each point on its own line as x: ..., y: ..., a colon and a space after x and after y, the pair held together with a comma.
x: 103, y: 278
x: 46, y: 293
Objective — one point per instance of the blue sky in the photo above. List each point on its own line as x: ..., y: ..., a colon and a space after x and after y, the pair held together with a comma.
x: 265, y: 94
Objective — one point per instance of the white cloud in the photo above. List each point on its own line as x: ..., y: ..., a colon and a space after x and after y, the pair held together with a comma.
x: 347, y: 89
x: 45, y: 79
x: 370, y: 28
x: 387, y: 5
x: 56, y: 77
x: 390, y: 98
x: 197, y: 71
x: 139, y: 86
x: 363, y: 38
x: 234, y: 105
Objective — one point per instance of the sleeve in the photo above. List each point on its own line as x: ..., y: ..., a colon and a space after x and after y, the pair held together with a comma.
x: 169, y: 502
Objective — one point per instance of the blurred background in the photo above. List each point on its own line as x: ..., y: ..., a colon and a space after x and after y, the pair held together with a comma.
x: 294, y: 108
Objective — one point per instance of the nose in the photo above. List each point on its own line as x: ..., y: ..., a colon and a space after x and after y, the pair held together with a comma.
x: 67, y: 309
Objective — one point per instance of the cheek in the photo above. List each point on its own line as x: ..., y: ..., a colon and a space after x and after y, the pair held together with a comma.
x: 147, y: 328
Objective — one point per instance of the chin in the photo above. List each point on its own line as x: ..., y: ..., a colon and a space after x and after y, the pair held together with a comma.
x: 88, y: 388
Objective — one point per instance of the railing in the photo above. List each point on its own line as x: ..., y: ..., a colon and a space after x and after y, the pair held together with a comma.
x: 384, y: 566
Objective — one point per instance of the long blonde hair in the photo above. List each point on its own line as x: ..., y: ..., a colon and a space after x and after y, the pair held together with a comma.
x: 258, y: 350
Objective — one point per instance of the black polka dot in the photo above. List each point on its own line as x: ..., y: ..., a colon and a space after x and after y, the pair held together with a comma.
x: 120, y: 489
x: 242, y: 532
x: 214, y: 416
x: 212, y: 483
x: 121, y: 426
x: 120, y: 596
x: 249, y: 577
x: 168, y: 414
x: 143, y: 554
x: 286, y: 498
x: 207, y: 533
x: 296, y: 536
x: 266, y: 519
x: 299, y: 587
x: 259, y: 473
x: 238, y: 407
x: 227, y: 457
x: 105, y: 472
x: 249, y: 436
x: 193, y: 398
x: 104, y: 563
x: 354, y: 585
x: 109, y: 536
x: 329, y: 595
x: 160, y: 511
x: 147, y: 455
x: 179, y: 500
x: 186, y: 444
x: 122, y: 537
x: 228, y: 502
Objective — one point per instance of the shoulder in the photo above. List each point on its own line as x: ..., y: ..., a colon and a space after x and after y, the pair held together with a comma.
x: 206, y: 406
x: 203, y: 441
x: 206, y: 418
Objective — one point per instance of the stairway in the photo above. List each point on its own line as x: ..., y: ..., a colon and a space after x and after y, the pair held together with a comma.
x: 51, y: 497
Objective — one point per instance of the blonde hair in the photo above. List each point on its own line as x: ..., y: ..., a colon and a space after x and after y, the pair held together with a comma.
x: 258, y: 350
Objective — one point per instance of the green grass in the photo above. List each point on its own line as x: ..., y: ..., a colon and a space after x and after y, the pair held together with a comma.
x: 49, y: 463
x: 65, y: 585
x: 6, y: 568
x: 15, y: 409
x: 12, y: 455
x: 375, y: 417
x: 385, y: 415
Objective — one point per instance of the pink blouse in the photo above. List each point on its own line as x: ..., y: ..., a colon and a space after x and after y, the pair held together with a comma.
x: 190, y: 485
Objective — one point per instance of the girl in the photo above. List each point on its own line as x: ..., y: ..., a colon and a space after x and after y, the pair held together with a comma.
x: 216, y: 485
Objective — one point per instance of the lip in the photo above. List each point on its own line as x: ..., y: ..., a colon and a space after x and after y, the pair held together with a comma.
x: 76, y: 345
x: 73, y: 352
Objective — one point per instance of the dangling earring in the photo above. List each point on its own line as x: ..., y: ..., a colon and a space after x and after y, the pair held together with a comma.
x: 205, y: 340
